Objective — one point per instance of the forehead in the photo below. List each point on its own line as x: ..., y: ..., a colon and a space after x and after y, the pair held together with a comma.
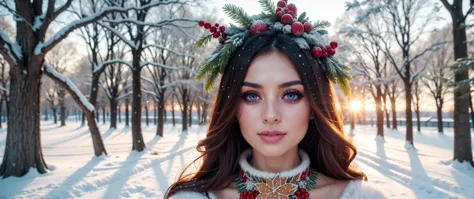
x: 271, y: 67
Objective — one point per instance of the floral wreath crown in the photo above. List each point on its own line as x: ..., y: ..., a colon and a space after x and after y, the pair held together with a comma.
x: 280, y: 18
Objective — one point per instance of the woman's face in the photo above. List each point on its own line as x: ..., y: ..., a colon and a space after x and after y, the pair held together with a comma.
x: 273, y: 112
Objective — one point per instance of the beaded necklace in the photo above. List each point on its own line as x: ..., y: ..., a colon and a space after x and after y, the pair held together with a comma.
x: 292, y: 184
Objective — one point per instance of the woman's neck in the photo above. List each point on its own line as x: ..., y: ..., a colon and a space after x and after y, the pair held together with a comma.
x: 285, y: 162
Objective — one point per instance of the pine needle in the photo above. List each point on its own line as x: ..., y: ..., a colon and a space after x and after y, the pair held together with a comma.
x: 237, y: 14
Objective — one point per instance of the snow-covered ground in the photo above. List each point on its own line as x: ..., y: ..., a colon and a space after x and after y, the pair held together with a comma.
x: 399, y: 172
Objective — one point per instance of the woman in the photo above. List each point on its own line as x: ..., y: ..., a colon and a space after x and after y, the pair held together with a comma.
x: 275, y: 131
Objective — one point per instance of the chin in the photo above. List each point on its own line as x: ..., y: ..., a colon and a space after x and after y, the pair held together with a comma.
x: 273, y: 150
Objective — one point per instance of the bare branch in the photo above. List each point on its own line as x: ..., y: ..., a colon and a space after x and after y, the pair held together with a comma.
x: 169, y: 50
x: 10, y: 51
x: 67, y: 84
x: 146, y: 63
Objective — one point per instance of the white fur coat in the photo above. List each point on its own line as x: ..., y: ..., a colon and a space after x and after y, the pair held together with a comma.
x: 356, y: 189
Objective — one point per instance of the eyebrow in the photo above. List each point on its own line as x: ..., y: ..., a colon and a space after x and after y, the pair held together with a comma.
x: 283, y: 85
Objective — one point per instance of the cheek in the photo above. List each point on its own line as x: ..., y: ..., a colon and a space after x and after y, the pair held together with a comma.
x: 248, y: 118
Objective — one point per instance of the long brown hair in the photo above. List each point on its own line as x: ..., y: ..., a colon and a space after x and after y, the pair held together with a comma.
x: 330, y: 153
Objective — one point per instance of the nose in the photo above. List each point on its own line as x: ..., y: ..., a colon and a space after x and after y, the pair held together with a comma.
x: 271, y: 113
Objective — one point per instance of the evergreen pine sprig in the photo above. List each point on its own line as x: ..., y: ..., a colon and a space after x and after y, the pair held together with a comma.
x: 203, y: 40
x: 237, y: 14
x: 268, y: 8
x: 321, y: 24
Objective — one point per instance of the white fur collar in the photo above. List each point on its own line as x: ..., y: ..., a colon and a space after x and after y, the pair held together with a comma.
x: 244, y: 165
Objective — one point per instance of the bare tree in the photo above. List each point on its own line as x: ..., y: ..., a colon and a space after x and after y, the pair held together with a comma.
x: 405, y: 24
x: 138, y: 28
x: 417, y: 99
x: 438, y: 75
x: 462, y: 133
x: 26, y: 57
x: 51, y: 97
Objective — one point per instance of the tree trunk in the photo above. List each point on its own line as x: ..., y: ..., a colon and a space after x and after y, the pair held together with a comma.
x: 408, y: 113
x: 113, y: 113
x: 472, y: 112
x: 184, y: 112
x: 127, y: 112
x: 172, y: 112
x: 387, y: 118
x: 1, y: 115
x: 161, y: 110
x: 46, y: 114
x: 190, y: 116
x: 379, y: 116
x: 119, y: 113
x: 146, y: 114
x: 439, y: 115
x: 394, y: 113
x: 462, y: 133
x: 83, y: 120
x: 97, y: 115
x: 155, y: 113
x: 62, y: 110
x: 55, y: 115
x: 103, y: 114
x: 23, y: 145
x: 137, y: 136
x: 418, y: 123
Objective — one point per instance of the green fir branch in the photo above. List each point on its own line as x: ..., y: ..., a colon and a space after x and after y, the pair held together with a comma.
x: 268, y: 6
x: 237, y: 14
x: 203, y: 40
x: 322, y: 32
x: 321, y: 24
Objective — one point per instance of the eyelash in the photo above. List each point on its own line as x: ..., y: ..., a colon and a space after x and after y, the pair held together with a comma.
x: 292, y: 91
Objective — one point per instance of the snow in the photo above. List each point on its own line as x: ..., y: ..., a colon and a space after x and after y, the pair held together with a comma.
x: 72, y: 86
x: 38, y: 48
x: 108, y: 62
x: 9, y: 45
x: 77, y: 173
x: 146, y: 63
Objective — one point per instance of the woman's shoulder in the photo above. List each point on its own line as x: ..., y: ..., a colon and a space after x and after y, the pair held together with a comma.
x: 192, y: 195
x: 359, y: 189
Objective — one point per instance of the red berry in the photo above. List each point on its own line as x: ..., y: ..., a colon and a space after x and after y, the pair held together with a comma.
x: 217, y: 25
x: 201, y: 23
x: 258, y: 27
x: 333, y: 44
x: 328, y: 47
x: 285, y: 10
x: 304, y: 20
x: 332, y: 52
x: 279, y: 14
x: 297, y: 28
x: 325, y: 54
x: 244, y: 179
x: 216, y: 34
x: 207, y: 25
x: 222, y: 28
x: 292, y: 7
x: 281, y: 4
x: 307, y: 27
x: 317, y: 52
x: 213, y: 29
x: 278, y: 9
x: 287, y: 19
x: 306, y: 195
x: 223, y: 34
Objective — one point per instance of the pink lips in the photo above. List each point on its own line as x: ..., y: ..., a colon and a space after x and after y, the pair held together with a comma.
x: 271, y: 136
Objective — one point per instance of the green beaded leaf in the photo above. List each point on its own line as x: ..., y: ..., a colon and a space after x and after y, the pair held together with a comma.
x: 302, y: 16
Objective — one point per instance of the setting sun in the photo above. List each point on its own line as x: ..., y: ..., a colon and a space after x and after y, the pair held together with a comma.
x: 355, y: 105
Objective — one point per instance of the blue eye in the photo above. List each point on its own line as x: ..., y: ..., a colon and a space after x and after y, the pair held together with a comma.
x: 250, y: 97
x: 292, y: 96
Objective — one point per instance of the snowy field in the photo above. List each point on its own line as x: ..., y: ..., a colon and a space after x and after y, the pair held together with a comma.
x: 75, y: 173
